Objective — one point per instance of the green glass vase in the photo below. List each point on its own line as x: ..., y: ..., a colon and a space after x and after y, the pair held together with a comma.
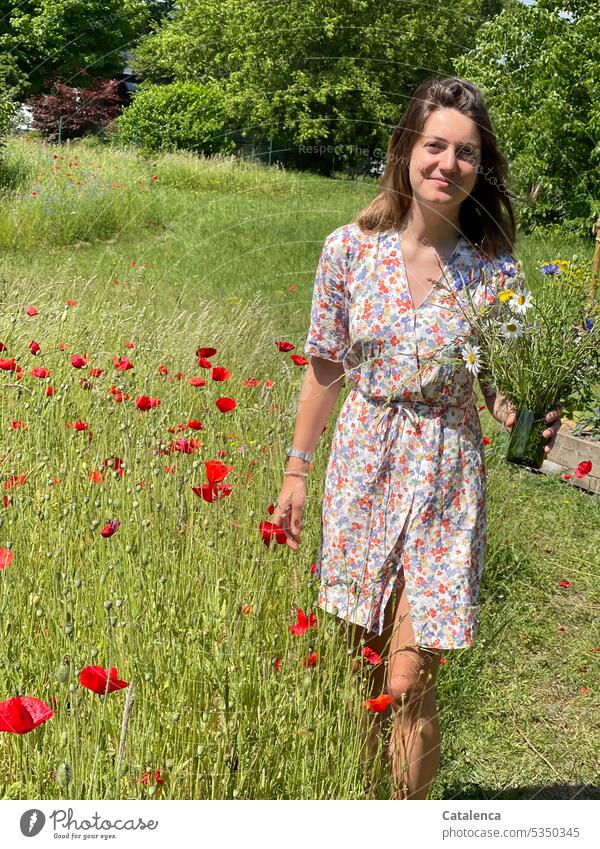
x: 526, y: 445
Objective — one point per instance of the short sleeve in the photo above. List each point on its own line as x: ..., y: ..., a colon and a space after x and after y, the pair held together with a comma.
x: 501, y: 270
x: 328, y: 335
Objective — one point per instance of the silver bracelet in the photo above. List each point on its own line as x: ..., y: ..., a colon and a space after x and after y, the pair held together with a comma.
x: 297, y: 474
x: 301, y: 455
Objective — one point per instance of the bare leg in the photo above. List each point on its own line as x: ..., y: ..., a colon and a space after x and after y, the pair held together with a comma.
x: 415, y: 735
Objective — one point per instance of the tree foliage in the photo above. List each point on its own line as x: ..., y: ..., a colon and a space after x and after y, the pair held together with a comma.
x: 538, y: 66
x: 42, y: 39
x: 312, y: 71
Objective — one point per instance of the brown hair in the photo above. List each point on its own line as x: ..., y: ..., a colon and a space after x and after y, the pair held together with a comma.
x: 486, y: 216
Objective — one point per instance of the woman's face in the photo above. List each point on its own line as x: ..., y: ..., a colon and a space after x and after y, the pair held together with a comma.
x: 444, y: 161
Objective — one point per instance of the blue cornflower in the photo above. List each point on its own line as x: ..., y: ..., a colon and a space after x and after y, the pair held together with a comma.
x: 589, y: 323
x: 508, y: 268
x: 550, y: 268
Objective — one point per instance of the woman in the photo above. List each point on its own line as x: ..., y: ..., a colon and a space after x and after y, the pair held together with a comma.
x: 404, y: 519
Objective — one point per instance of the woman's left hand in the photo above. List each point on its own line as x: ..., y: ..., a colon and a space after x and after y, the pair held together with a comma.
x: 553, y: 418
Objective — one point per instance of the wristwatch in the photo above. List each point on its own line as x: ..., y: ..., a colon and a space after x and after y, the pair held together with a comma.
x: 301, y: 455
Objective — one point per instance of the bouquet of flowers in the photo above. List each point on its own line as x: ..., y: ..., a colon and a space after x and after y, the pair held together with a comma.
x: 537, y: 343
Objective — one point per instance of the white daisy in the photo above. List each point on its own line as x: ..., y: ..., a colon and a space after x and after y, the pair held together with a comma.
x: 521, y: 302
x: 512, y: 329
x: 470, y: 354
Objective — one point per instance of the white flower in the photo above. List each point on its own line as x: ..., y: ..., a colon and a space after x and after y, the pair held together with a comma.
x: 521, y: 302
x: 470, y: 354
x: 512, y: 329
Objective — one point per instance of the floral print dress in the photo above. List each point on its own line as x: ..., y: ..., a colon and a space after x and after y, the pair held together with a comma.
x: 405, y: 486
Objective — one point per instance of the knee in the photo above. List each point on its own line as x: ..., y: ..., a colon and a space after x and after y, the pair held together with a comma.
x: 410, y: 685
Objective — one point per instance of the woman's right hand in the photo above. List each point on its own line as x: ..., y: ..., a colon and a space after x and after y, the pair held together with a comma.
x: 292, y: 493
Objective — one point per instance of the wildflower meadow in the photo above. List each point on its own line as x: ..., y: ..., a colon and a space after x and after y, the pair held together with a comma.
x: 159, y: 639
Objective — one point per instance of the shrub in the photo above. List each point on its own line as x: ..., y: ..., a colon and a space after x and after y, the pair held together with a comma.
x: 73, y: 112
x: 178, y: 116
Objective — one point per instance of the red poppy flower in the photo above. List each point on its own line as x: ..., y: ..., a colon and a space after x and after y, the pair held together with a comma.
x: 40, y: 372
x: 71, y: 303
x: 216, y: 471
x: 212, y: 491
x: 194, y: 424
x: 220, y: 373
x: 17, y: 424
x: 149, y: 778
x: 583, y: 469
x: 269, y: 384
x: 564, y: 584
x: 6, y: 557
x: 119, y: 396
x: 487, y: 441
x: 122, y: 363
x: 379, y: 704
x: 162, y: 369
x: 22, y: 714
x: 49, y: 391
x: 197, y: 381
x: 110, y: 528
x: 96, y: 372
x: 8, y: 365
x: 251, y: 381
x: 15, y: 479
x: 34, y: 347
x: 299, y: 360
x: 206, y: 352
x: 311, y: 660
x: 225, y: 405
x: 100, y: 680
x: 285, y: 346
x: 277, y: 663
x: 77, y: 361
x: 372, y: 656
x: 79, y: 425
x: 269, y: 530
x: 567, y: 477
x: 31, y: 310
x: 96, y: 477
x: 130, y: 345
x: 144, y: 402
x: 304, y: 623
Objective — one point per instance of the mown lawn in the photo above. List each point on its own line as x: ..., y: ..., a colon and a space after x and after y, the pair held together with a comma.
x: 186, y: 600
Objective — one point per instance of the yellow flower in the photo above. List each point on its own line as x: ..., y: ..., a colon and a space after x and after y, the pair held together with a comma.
x: 506, y: 295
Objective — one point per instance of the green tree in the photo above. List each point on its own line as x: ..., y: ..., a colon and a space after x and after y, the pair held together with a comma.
x: 43, y: 39
x: 538, y: 66
x: 312, y: 71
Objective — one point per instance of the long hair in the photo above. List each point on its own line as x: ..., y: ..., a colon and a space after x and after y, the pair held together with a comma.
x: 486, y: 216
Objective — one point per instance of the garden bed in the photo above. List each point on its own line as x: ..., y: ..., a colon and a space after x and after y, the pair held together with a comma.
x: 568, y: 452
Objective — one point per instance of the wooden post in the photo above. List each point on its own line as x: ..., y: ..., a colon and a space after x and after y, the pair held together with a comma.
x: 596, y: 261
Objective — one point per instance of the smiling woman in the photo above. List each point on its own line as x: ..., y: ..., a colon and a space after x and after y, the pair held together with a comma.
x: 404, y: 505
